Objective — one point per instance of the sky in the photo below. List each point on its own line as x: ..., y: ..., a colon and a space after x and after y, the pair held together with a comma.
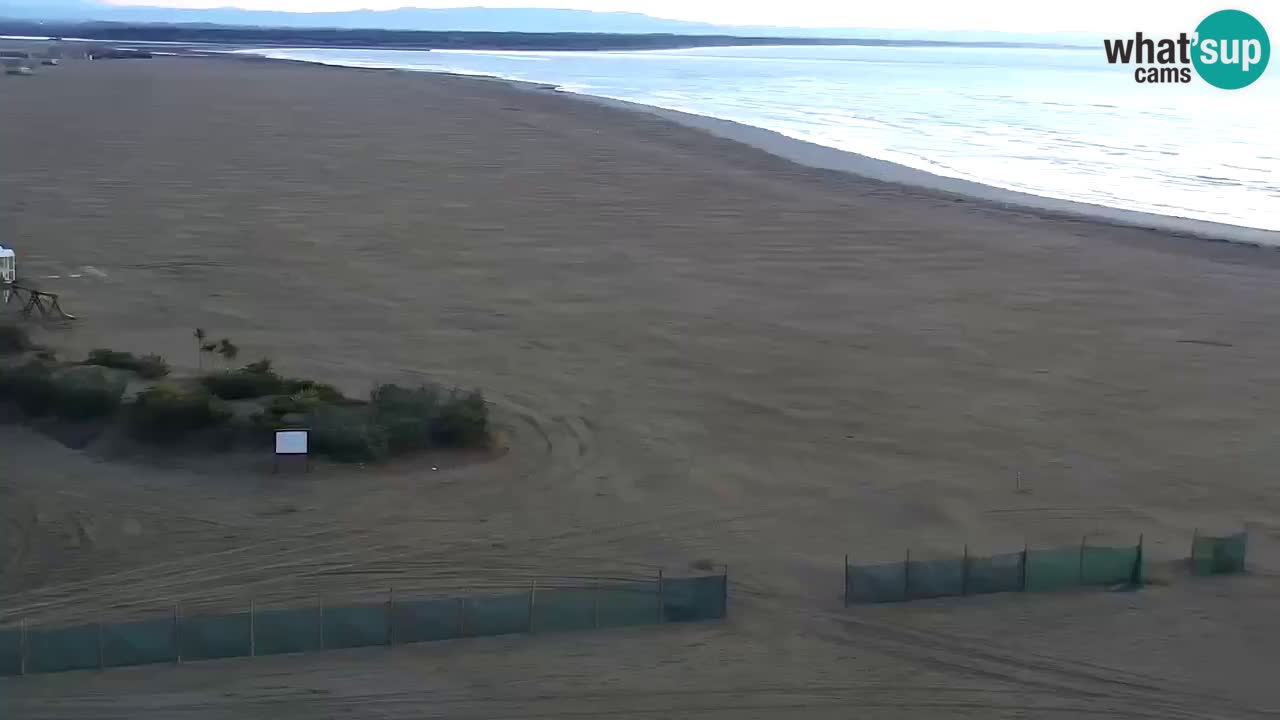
x: 1002, y: 15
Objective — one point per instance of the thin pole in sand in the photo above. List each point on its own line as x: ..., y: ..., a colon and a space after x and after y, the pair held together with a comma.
x: 320, y: 619
x: 1025, y: 550
x: 100, y: 665
x: 533, y: 598
x: 253, y: 628
x: 662, y: 603
x: 964, y: 571
x: 1083, y: 541
x: 906, y: 576
x: 22, y: 648
x: 846, y: 579
x: 391, y: 616
x: 177, y: 633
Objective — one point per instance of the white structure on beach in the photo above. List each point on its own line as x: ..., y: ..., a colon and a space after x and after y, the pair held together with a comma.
x: 8, y: 266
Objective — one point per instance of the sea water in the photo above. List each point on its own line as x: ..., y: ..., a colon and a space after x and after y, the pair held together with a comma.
x: 1058, y: 123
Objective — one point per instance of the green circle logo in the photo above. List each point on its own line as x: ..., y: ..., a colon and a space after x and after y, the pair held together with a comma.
x: 1232, y: 49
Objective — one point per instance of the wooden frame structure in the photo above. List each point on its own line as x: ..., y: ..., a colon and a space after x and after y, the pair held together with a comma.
x: 32, y: 300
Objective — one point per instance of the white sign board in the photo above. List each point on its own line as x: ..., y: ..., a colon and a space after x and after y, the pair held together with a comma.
x: 291, y: 442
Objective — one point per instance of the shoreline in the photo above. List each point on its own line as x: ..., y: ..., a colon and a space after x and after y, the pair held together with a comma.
x: 823, y: 157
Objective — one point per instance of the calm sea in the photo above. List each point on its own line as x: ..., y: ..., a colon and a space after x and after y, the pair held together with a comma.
x: 1055, y: 123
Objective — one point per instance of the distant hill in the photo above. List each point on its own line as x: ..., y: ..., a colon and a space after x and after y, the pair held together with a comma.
x: 477, y: 19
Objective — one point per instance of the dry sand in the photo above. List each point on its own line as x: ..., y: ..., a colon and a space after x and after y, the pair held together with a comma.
x: 700, y: 351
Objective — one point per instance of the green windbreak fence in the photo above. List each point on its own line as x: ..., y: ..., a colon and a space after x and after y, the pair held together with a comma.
x: 209, y: 637
x: 138, y: 643
x: 1028, y: 571
x: 1218, y: 555
x: 190, y: 637
x: 10, y: 652
x: 280, y: 632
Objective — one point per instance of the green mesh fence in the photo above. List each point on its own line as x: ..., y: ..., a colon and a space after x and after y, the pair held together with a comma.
x: 1111, y: 566
x: 59, y: 649
x: 935, y: 578
x: 427, y: 620
x: 1054, y: 569
x: 1218, y: 555
x: 695, y: 598
x: 1036, y: 571
x: 10, y: 652
x: 279, y: 632
x: 208, y: 637
x: 497, y: 614
x: 356, y: 626
x: 139, y: 643
x: 628, y: 605
x: 876, y: 583
x: 995, y: 574
x: 562, y: 610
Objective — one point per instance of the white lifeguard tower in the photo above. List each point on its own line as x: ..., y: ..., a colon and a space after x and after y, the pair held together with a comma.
x: 8, y: 266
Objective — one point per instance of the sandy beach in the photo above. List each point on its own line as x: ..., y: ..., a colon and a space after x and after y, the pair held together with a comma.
x: 701, y: 351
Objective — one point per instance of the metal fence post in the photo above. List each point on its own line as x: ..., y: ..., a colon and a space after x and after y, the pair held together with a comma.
x: 253, y: 628
x: 1025, y: 550
x: 846, y: 579
x: 1136, y: 578
x: 1083, y: 541
x: 964, y: 571
x: 906, y: 577
x: 391, y: 616
x: 533, y: 598
x: 662, y: 603
x: 177, y: 633
x: 320, y: 620
x: 724, y: 593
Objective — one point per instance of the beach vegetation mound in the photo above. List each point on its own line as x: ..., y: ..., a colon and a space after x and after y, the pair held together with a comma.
x: 40, y: 388
x: 148, y: 367
x: 13, y: 339
x: 166, y: 413
x: 241, y: 406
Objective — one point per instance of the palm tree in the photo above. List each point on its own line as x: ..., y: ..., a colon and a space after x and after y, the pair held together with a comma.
x: 227, y: 350
x: 199, y: 336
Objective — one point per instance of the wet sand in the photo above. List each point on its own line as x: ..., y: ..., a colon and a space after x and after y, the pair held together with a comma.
x: 701, y: 351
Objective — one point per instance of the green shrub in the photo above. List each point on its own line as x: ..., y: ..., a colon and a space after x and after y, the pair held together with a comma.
x: 326, y: 393
x: 243, y: 384
x: 29, y: 385
x: 85, y: 393
x: 166, y: 413
x: 426, y: 417
x: 346, y: 435
x: 406, y: 415
x: 463, y: 421
x: 150, y: 367
x: 13, y: 339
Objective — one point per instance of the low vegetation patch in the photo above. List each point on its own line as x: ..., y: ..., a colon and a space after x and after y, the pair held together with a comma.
x: 85, y: 393
x: 148, y: 367
x: 254, y: 380
x: 167, y: 413
x: 394, y: 421
x: 30, y: 385
x: 72, y: 393
x: 13, y: 339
